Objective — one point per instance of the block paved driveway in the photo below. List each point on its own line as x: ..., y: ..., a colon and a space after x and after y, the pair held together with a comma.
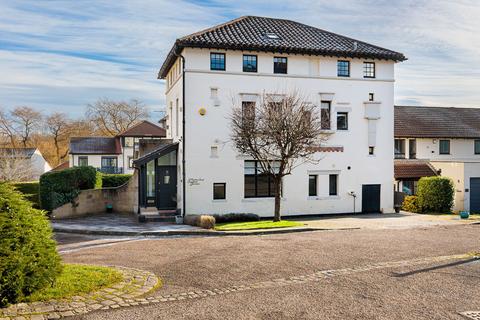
x: 427, y: 290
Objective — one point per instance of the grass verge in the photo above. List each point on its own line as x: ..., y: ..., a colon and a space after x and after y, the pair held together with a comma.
x: 77, y: 279
x: 235, y: 226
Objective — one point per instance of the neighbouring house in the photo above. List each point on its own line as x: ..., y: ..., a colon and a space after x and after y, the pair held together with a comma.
x: 434, y: 140
x: 113, y: 154
x: 22, y: 164
x: 62, y: 166
x: 351, y: 81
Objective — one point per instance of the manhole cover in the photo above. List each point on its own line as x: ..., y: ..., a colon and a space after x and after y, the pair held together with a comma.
x: 475, y: 315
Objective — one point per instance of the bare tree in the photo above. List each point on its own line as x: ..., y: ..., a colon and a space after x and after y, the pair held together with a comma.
x: 25, y: 120
x: 114, y: 117
x: 15, y: 166
x: 6, y: 128
x: 280, y: 131
x: 57, y: 125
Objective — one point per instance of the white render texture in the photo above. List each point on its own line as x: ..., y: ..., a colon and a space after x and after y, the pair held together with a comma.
x: 315, y: 78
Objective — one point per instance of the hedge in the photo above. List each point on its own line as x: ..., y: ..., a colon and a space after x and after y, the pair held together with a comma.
x: 435, y: 194
x: 60, y: 187
x: 410, y: 204
x: 114, y: 180
x: 30, y: 191
x: 236, y: 217
x: 29, y: 260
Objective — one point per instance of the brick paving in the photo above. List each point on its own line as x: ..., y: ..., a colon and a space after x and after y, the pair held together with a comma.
x: 120, y: 296
x: 475, y: 315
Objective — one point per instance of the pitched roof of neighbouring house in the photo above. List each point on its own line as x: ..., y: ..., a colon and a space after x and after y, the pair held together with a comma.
x: 144, y: 129
x: 437, y: 122
x: 413, y: 169
x: 252, y: 33
x: 17, y: 152
x: 95, y: 145
x: 62, y: 166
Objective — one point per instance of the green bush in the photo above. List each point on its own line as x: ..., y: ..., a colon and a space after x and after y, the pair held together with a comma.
x: 114, y: 180
x: 236, y: 217
x: 28, y: 257
x: 435, y: 194
x: 30, y: 191
x: 410, y: 204
x: 60, y: 187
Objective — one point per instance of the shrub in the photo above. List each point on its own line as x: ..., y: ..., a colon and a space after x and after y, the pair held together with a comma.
x: 203, y: 221
x: 60, y: 187
x: 435, y: 194
x: 410, y: 204
x: 30, y: 191
x: 114, y: 180
x: 236, y: 217
x: 29, y: 260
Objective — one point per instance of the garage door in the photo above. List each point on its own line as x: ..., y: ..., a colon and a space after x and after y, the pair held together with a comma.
x: 475, y: 195
x: 371, y: 198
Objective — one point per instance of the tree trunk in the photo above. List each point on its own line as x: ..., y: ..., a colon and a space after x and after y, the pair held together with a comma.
x: 278, y: 194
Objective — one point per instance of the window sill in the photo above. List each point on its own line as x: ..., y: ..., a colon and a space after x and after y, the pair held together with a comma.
x: 328, y: 131
x: 219, y: 200
x: 324, y: 198
x: 261, y: 199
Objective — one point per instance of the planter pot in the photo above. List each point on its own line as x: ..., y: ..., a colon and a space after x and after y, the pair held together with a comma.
x: 178, y: 219
x: 109, y: 208
x: 464, y: 214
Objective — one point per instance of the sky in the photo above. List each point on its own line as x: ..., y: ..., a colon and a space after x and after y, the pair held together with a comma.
x: 60, y: 55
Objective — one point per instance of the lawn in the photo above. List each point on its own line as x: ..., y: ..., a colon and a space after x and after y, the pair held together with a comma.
x: 77, y: 279
x: 231, y: 226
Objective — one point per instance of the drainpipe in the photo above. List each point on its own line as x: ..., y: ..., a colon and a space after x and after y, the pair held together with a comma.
x: 184, y: 182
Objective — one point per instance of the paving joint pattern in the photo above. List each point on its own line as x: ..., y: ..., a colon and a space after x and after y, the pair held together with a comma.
x: 124, y: 300
x: 474, y: 315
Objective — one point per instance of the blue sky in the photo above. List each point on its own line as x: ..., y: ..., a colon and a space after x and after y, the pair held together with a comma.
x: 59, y: 55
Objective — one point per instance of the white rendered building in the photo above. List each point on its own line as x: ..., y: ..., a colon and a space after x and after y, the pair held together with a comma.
x: 351, y: 80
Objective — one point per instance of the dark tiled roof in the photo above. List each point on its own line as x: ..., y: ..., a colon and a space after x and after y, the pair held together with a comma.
x: 144, y: 129
x: 250, y: 33
x: 436, y: 122
x: 412, y: 169
x: 95, y: 145
x: 18, y: 152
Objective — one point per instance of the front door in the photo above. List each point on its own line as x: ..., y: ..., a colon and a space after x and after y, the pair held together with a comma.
x: 475, y: 195
x: 167, y: 187
x: 371, y: 198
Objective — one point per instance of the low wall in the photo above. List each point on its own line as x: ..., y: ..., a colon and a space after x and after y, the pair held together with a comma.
x: 124, y: 199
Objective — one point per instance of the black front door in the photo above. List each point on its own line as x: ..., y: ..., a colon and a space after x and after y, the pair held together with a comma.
x: 475, y: 195
x: 167, y: 187
x: 371, y: 198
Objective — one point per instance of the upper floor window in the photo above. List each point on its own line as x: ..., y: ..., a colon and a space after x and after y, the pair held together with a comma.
x: 343, y: 68
x: 477, y: 146
x: 82, y: 161
x: 342, y: 120
x: 412, y: 149
x: 325, y: 115
x: 399, y: 148
x: 280, y: 65
x: 217, y: 61
x: 249, y: 63
x: 369, y: 69
x: 444, y: 147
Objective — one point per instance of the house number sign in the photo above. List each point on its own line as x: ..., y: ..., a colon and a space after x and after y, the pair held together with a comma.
x: 195, y: 181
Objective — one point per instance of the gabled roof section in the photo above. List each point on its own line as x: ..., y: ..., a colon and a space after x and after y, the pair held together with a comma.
x: 17, y: 152
x: 413, y: 169
x: 277, y: 35
x: 437, y: 122
x: 161, y: 150
x: 95, y: 145
x: 144, y: 129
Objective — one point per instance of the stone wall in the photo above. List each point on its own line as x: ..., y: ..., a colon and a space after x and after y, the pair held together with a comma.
x: 124, y: 199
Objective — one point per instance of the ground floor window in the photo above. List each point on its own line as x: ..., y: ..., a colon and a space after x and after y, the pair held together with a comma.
x: 409, y: 187
x: 219, y: 191
x: 82, y: 161
x: 257, y: 182
x: 333, y: 184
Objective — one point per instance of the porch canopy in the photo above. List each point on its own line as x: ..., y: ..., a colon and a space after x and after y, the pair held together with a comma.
x: 156, y: 153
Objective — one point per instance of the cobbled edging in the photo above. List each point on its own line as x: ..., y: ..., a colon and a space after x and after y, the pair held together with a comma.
x: 135, y: 284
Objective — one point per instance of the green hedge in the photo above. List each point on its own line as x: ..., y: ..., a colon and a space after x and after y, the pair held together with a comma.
x: 60, y: 187
x: 28, y: 257
x: 30, y: 190
x: 435, y: 194
x: 114, y: 180
x: 410, y: 204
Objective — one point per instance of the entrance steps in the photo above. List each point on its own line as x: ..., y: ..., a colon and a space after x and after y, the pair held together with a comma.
x: 153, y: 214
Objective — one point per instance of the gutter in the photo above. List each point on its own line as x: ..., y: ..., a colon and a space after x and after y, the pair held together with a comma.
x: 184, y: 182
